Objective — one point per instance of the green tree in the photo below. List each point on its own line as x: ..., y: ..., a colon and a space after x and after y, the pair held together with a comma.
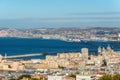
x: 116, y: 77
x: 24, y: 76
x: 106, y: 77
x: 12, y: 79
x: 72, y: 75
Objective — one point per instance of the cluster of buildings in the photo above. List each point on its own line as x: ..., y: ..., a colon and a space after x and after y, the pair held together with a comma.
x: 78, y: 77
x: 10, y: 65
x: 105, y: 58
x: 90, y: 67
x: 67, y: 34
x: 63, y: 64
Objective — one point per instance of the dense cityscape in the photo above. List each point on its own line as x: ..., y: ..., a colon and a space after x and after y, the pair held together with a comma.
x: 67, y: 34
x: 59, y: 39
x: 64, y: 66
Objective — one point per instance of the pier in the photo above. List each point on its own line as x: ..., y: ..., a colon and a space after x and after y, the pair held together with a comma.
x: 24, y: 55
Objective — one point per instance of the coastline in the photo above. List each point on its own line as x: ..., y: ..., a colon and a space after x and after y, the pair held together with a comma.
x: 20, y: 46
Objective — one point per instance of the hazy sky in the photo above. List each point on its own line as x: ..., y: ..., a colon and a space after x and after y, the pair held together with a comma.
x: 59, y: 13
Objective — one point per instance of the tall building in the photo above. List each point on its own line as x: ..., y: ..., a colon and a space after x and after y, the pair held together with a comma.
x: 84, y: 52
x: 99, y: 50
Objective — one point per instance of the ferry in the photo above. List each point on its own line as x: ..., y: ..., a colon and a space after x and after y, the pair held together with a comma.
x: 73, y: 40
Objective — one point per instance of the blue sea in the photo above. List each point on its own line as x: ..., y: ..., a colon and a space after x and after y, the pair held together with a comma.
x: 21, y: 46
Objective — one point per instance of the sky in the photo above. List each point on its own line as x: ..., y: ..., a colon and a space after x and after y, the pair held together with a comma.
x: 59, y: 13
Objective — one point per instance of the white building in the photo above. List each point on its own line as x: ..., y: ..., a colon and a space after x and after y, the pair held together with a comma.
x: 85, y: 77
x: 55, y: 77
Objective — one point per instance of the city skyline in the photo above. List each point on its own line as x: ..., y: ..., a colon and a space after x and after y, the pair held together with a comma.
x: 72, y: 13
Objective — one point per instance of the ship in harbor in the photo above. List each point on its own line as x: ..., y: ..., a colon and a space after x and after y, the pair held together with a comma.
x: 73, y: 40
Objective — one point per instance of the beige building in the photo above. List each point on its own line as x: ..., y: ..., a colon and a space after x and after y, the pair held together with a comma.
x: 61, y: 60
x: 11, y: 65
x: 84, y: 52
x: 52, y: 64
x: 68, y: 55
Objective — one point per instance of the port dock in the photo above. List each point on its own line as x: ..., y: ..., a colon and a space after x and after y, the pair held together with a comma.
x: 24, y: 55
